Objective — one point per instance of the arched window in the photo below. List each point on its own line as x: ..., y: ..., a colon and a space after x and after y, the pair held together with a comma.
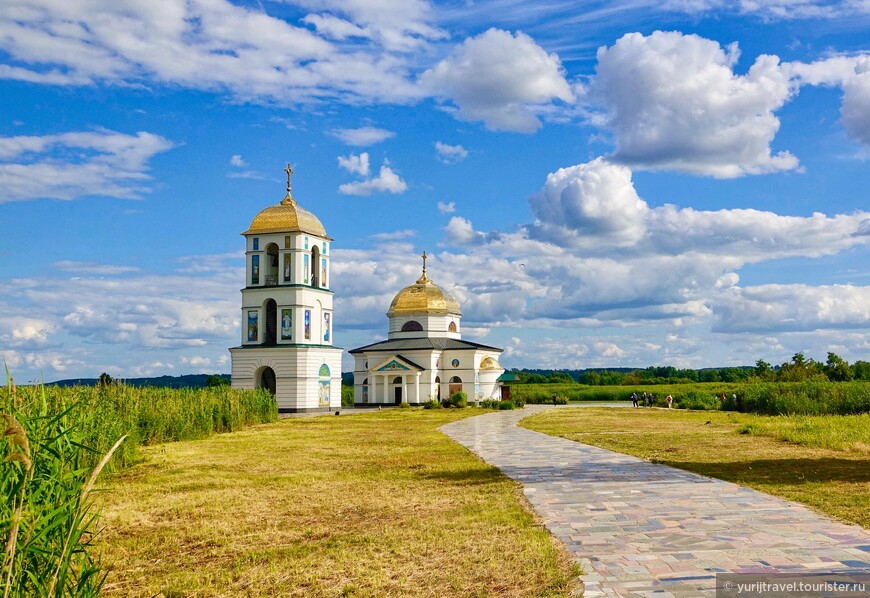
x: 412, y: 326
x: 271, y: 322
x: 452, y: 327
x: 455, y: 385
x: 325, y: 383
x: 315, y: 266
x: 271, y: 265
x: 438, y: 387
x: 365, y: 391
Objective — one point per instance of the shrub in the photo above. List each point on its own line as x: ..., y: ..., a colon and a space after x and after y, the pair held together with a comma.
x: 347, y: 396
x: 695, y: 400
x: 506, y: 405
x: 459, y: 399
x: 489, y: 403
x: 404, y: 405
x: 432, y: 404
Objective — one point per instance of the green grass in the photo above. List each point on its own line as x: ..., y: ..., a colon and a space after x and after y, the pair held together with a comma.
x: 820, y: 461
x: 378, y: 504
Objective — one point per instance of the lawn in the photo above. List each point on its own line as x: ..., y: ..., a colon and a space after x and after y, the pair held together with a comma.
x: 378, y: 504
x: 820, y: 461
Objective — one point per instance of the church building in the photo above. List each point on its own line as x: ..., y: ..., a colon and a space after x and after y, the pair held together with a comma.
x: 287, y: 318
x: 424, y: 356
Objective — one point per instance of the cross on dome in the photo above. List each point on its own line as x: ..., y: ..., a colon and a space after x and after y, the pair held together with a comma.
x: 289, y: 198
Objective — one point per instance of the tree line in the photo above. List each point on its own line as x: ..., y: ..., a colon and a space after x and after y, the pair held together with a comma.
x: 799, y: 368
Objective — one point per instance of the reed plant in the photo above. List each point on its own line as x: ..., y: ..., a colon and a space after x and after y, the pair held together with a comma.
x: 47, y: 517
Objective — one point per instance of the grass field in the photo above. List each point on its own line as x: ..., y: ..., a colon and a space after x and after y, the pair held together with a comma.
x: 377, y: 504
x: 820, y: 461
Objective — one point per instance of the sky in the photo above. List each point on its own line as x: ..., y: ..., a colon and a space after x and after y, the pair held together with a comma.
x: 599, y: 183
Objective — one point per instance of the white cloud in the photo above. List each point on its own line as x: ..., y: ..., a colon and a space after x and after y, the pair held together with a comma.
x: 386, y: 181
x: 92, y: 267
x: 446, y: 208
x: 355, y: 164
x: 793, y: 307
x: 237, y: 161
x: 591, y: 201
x: 395, y: 235
x: 362, y: 136
x: 499, y: 78
x: 852, y: 74
x: 460, y: 231
x: 450, y: 154
x: 674, y: 102
x: 215, y: 45
x: 108, y: 163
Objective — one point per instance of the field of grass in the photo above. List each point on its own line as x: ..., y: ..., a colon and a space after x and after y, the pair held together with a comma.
x: 820, y: 461
x: 378, y: 504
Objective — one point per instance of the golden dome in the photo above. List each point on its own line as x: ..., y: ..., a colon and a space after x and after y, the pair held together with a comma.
x: 286, y: 217
x: 423, y: 297
x: 488, y: 363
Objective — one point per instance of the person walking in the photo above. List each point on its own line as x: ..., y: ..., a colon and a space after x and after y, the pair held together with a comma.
x: 670, y: 400
x: 634, y: 399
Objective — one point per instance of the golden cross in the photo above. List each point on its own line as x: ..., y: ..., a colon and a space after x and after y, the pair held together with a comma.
x: 424, y: 263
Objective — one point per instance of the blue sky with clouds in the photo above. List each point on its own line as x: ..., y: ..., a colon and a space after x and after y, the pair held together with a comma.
x: 622, y: 183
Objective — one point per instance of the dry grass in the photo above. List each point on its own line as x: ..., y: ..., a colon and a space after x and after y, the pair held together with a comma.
x: 831, y: 477
x: 366, y: 505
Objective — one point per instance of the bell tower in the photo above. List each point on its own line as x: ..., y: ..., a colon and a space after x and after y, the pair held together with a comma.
x: 287, y: 316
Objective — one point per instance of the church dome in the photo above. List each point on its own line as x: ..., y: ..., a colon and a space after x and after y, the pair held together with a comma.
x: 423, y: 297
x: 286, y: 217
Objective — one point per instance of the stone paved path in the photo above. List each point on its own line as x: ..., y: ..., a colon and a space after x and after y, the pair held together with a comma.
x: 641, y: 529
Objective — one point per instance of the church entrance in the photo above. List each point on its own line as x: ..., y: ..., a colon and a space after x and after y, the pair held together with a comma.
x: 267, y: 380
x: 455, y: 385
x: 398, y: 390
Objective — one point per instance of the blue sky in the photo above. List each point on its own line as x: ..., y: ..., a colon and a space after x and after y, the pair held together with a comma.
x: 631, y: 183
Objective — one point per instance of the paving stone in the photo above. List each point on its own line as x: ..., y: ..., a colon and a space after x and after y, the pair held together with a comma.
x: 641, y: 529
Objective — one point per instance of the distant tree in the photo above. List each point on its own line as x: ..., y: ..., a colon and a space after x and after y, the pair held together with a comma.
x: 688, y: 374
x: 798, y: 369
x: 861, y: 369
x: 560, y: 378
x: 216, y: 380
x: 837, y: 368
x: 609, y: 378
x: 591, y: 377
x: 709, y: 376
x: 533, y: 378
x: 105, y: 380
x: 763, y: 370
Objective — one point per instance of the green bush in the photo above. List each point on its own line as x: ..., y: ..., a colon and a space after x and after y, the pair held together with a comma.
x: 432, y: 404
x: 695, y: 400
x: 347, y: 396
x: 490, y: 403
x: 459, y: 399
x: 404, y: 405
x: 506, y: 405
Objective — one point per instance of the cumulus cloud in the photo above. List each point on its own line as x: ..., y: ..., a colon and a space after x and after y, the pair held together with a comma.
x: 499, y: 78
x: 450, y: 154
x: 237, y: 161
x: 674, y: 102
x: 387, y: 181
x: 73, y: 165
x: 447, y: 208
x: 591, y: 201
x: 362, y: 136
x: 92, y: 267
x: 355, y: 164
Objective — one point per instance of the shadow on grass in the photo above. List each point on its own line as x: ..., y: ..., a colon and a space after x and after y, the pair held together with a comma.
x: 467, y: 477
x: 786, y: 472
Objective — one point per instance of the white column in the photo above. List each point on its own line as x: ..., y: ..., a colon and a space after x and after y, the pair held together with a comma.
x: 404, y: 396
x: 417, y: 386
x: 386, y: 388
x: 373, y: 389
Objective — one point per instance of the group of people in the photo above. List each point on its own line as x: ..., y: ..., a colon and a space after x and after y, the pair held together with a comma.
x: 647, y: 400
